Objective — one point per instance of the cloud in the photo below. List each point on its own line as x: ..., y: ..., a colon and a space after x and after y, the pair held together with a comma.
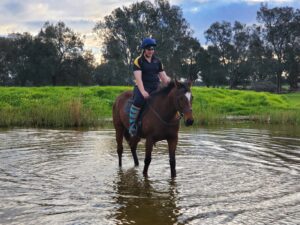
x: 227, y: 2
x: 194, y: 9
x: 230, y: 1
x: 13, y: 7
x: 79, y: 15
x: 82, y: 14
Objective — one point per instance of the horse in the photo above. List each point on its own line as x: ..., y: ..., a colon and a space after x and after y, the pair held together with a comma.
x: 160, y: 120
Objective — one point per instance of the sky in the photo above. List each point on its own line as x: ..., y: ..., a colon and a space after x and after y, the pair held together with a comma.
x: 82, y: 15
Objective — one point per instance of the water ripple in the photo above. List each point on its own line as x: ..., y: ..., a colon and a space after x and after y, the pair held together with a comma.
x: 225, y: 176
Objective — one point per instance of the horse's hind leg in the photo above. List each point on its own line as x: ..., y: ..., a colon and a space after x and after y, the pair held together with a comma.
x: 132, y: 142
x: 119, y: 139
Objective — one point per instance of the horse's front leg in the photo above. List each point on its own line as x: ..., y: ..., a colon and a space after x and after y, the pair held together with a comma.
x: 119, y: 139
x: 149, y: 147
x: 172, y: 143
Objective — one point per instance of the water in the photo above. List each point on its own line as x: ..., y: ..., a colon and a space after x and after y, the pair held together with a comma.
x: 224, y: 176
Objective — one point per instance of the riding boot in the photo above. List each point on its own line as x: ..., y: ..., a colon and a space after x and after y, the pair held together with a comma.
x: 133, y: 115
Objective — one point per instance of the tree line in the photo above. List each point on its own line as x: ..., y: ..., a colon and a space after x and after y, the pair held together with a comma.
x: 236, y: 54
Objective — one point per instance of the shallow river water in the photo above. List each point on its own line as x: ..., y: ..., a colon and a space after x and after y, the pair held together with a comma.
x: 225, y: 175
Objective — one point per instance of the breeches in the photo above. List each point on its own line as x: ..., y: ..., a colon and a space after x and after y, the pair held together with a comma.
x: 138, y: 98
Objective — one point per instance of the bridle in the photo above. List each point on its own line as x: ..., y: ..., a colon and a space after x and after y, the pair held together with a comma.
x: 162, y: 120
x: 184, y: 110
x: 180, y: 113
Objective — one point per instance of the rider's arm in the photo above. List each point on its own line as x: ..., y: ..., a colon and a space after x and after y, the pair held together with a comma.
x: 138, y: 79
x: 164, y: 78
x: 162, y: 75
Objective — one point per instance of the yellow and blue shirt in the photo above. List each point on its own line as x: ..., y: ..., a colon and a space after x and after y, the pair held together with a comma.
x: 150, y: 70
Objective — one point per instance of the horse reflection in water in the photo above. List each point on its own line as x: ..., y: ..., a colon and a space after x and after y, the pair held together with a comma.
x: 141, y: 203
x: 159, y: 122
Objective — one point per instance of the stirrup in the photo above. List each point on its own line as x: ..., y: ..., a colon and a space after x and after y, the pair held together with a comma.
x: 133, y: 130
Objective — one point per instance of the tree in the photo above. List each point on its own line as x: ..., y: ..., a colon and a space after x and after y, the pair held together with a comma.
x: 67, y: 46
x: 212, y: 72
x: 123, y: 31
x: 220, y: 35
x: 78, y: 71
x: 5, y: 61
x: 239, y: 61
x: 259, y: 56
x: 54, y: 56
x: 292, y: 52
x: 276, y: 27
x: 19, y: 69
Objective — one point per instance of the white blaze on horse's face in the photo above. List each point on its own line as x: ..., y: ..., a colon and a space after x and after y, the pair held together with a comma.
x: 188, y: 95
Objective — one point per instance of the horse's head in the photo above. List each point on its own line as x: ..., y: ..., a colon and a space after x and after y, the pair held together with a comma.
x: 183, y: 101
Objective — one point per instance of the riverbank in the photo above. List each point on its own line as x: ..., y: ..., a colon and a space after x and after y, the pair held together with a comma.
x: 91, y: 106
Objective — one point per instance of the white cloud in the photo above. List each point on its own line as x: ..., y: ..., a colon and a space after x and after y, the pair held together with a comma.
x: 19, y: 15
x: 195, y: 10
x: 271, y: 1
x: 229, y: 1
x: 80, y: 15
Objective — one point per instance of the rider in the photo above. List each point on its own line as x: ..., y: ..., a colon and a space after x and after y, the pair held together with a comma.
x: 148, y: 72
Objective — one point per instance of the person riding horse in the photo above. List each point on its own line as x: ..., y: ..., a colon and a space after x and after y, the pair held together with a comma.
x: 148, y: 72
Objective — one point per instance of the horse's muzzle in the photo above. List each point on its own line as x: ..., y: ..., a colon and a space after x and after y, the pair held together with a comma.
x: 189, y: 122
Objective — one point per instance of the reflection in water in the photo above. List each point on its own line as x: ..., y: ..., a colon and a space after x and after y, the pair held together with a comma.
x: 139, y: 202
x: 225, y: 176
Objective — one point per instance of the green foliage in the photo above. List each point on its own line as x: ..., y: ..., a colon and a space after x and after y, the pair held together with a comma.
x: 92, y: 106
x: 123, y: 30
x: 216, y: 105
x: 56, y: 107
x: 54, y: 56
x: 238, y: 55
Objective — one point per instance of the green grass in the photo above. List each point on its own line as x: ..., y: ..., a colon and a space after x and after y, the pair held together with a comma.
x: 56, y: 106
x: 213, y: 105
x: 91, y: 106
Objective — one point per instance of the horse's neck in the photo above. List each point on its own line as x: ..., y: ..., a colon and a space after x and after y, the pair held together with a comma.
x: 164, y: 106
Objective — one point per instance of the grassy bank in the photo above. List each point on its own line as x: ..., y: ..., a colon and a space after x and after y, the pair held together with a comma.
x: 91, y: 106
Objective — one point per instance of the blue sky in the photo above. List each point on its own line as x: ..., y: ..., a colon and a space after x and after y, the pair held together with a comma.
x: 82, y: 15
x: 201, y: 14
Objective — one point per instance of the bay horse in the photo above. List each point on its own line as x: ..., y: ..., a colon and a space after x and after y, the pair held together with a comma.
x: 160, y: 121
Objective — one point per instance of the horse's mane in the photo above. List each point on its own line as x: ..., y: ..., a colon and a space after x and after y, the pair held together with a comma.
x: 164, y: 90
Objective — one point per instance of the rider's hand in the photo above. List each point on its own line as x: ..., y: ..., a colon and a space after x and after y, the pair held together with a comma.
x: 145, y: 94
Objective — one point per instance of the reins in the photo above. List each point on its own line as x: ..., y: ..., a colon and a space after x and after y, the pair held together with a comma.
x: 161, y: 119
